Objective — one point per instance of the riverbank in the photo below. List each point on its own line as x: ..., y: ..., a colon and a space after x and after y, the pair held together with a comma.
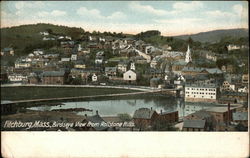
x: 33, y: 92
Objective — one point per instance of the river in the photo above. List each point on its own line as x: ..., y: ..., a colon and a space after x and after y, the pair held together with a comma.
x: 118, y: 105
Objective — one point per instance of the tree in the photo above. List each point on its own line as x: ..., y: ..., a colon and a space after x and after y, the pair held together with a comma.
x: 190, y: 41
x: 49, y: 31
x: 124, y: 117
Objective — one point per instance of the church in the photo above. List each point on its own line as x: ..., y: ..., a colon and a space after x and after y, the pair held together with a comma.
x: 180, y: 64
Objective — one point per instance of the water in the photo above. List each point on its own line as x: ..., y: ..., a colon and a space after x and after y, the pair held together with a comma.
x: 112, y: 107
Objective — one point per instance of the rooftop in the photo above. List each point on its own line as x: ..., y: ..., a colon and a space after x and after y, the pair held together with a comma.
x: 143, y: 113
x: 53, y: 73
x: 239, y: 116
x: 194, y: 124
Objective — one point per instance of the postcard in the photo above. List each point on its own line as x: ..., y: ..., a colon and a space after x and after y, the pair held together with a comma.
x: 134, y: 71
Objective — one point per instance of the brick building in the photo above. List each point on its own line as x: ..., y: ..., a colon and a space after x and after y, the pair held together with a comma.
x: 53, y: 77
x: 144, y: 118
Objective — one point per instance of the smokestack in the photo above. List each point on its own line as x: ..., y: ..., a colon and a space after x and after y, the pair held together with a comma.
x: 151, y: 108
x: 228, y: 113
x: 161, y: 111
x: 97, y: 112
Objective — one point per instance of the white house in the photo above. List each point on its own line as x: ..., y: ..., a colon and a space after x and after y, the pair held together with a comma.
x: 200, y: 93
x: 122, y: 66
x: 44, y: 33
x: 94, y: 78
x: 226, y: 86
x: 65, y: 59
x: 17, y: 78
x: 232, y: 47
x: 243, y: 89
x: 38, y: 52
x: 73, y: 57
x: 99, y: 60
x: 130, y: 75
x: 22, y: 64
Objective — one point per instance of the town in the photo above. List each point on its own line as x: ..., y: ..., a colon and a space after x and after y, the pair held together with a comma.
x: 196, y: 72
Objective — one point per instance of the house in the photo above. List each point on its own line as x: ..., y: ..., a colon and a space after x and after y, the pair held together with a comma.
x: 155, y: 82
x: 170, y: 117
x: 7, y: 52
x: 33, y: 78
x: 17, y: 78
x: 211, y: 56
x: 200, y: 92
x: 144, y: 118
x: 202, y: 115
x: 38, y: 52
x: 231, y: 47
x: 99, y: 60
x: 65, y: 59
x: 233, y: 97
x: 194, y: 125
x: 245, y: 78
x: 110, y: 71
x: 156, y: 61
x: 48, y: 39
x: 53, y: 77
x: 94, y: 78
x: 95, y: 123
x: 83, y: 73
x: 73, y: 57
x: 241, y: 117
x: 130, y: 75
x: 226, y: 86
x: 79, y: 64
x: 123, y: 66
x: 45, y: 33
x: 178, y: 66
x: 243, y: 89
x: 139, y: 60
x: 220, y: 114
x: 22, y: 64
x: 151, y: 72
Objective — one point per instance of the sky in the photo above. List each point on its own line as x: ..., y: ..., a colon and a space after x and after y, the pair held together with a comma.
x: 169, y: 17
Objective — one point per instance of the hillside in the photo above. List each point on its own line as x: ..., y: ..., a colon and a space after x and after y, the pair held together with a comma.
x: 216, y: 35
x: 22, y: 36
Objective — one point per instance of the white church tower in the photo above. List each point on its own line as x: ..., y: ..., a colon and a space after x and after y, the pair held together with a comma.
x: 188, y: 55
x: 132, y: 66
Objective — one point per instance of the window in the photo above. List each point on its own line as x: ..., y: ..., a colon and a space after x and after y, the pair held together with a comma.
x: 129, y: 76
x: 211, y: 96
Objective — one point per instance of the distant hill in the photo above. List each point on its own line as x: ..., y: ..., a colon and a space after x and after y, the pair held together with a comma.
x: 22, y: 36
x: 216, y: 35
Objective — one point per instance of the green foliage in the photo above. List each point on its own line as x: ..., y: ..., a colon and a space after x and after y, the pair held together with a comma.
x: 147, y: 34
x: 124, y: 117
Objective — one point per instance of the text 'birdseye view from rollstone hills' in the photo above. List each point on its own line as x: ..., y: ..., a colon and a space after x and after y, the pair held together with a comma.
x: 124, y: 66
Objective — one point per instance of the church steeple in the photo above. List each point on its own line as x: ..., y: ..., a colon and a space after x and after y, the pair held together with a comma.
x: 188, y: 55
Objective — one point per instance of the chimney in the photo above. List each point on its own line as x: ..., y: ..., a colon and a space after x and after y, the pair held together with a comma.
x: 151, y: 108
x: 97, y: 112
x: 161, y: 111
x: 86, y: 115
x: 228, y: 113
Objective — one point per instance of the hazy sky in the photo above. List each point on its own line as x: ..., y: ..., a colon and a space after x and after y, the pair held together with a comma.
x: 169, y: 17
